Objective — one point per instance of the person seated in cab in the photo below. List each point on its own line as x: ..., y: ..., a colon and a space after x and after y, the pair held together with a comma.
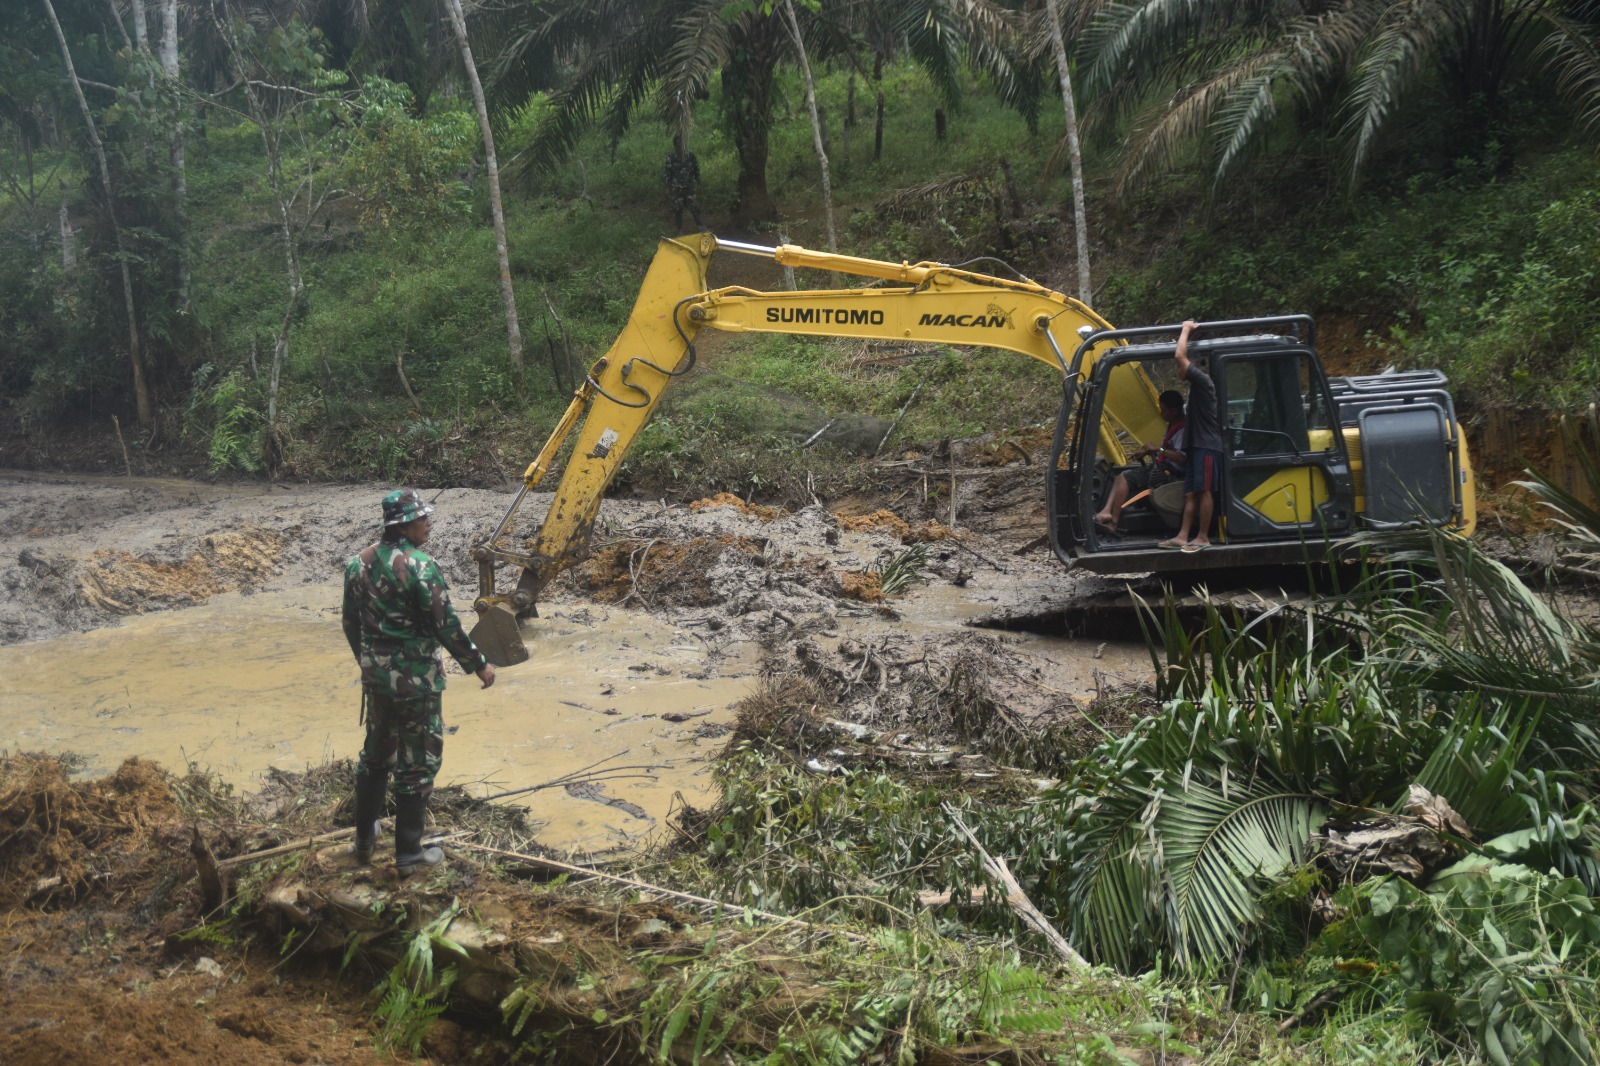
x: 1167, y: 464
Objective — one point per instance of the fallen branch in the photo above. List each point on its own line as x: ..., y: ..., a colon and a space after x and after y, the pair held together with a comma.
x: 898, y: 418
x: 809, y: 441
x: 584, y: 871
x: 400, y: 368
x: 612, y: 774
x: 581, y: 771
x: 311, y: 842
x: 285, y: 849
x: 1018, y: 900
x: 126, y: 465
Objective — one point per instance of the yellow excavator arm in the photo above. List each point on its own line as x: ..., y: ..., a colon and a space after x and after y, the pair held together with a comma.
x: 926, y: 302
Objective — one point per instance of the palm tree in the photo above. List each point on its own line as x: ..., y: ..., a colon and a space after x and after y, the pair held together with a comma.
x: 625, y: 54
x: 1353, y: 67
x: 628, y: 53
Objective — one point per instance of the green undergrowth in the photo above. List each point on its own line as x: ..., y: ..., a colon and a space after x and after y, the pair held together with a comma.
x: 1485, y: 271
x: 1197, y: 843
x: 687, y: 984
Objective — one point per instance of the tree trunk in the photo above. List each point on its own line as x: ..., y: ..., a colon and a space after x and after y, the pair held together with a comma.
x: 69, y: 254
x: 141, y: 391
x: 747, y: 83
x: 127, y: 42
x: 180, y: 180
x: 818, y: 140
x: 141, y: 27
x: 291, y: 257
x: 507, y: 294
x: 877, y: 132
x: 296, y: 283
x: 1080, y: 218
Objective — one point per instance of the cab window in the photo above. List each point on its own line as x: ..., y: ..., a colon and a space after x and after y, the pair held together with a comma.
x: 1274, y: 405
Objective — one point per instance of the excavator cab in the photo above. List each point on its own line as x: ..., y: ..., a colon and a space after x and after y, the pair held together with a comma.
x: 1296, y: 444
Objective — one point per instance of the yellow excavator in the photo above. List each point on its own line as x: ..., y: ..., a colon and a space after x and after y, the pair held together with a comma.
x: 1309, y: 460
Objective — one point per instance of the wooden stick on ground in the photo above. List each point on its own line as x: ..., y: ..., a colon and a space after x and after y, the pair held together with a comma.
x: 897, y: 419
x: 126, y: 464
x: 311, y: 842
x: 1017, y: 899
x: 584, y: 871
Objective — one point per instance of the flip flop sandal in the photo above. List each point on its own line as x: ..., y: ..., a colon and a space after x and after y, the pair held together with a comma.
x: 1171, y: 545
x: 1107, y: 529
x: 1191, y: 548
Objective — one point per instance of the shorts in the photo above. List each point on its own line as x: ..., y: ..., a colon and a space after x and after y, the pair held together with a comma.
x: 1205, y: 471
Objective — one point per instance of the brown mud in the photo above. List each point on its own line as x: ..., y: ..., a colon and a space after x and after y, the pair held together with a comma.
x: 197, y: 625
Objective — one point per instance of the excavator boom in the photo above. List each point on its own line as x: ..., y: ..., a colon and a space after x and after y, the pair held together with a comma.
x: 927, y: 302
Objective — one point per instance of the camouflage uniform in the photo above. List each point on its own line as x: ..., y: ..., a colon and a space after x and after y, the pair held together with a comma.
x: 397, y: 614
x: 681, y: 176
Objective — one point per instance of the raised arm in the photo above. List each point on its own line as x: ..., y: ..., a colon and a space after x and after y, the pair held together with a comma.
x: 1181, y: 353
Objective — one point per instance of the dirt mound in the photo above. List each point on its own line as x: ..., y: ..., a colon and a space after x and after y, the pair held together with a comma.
x: 862, y: 585
x: 65, y: 840
x: 728, y: 499
x: 235, y: 559
x: 662, y: 574
x: 889, y: 522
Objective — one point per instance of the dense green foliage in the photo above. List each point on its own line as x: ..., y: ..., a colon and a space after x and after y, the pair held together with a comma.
x: 1469, y: 252
x: 1204, y: 841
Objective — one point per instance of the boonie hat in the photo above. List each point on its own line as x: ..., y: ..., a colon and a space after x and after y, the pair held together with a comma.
x: 404, y: 505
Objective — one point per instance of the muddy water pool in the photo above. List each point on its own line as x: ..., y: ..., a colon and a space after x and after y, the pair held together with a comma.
x: 243, y: 683
x: 247, y: 682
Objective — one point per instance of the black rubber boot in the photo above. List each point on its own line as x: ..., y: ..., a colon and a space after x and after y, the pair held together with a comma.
x: 369, y: 805
x: 409, y: 854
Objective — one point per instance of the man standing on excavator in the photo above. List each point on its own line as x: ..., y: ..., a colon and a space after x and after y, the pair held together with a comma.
x: 1203, y: 478
x: 397, y: 614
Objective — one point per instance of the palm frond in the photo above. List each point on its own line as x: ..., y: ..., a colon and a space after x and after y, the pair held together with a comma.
x: 1131, y: 40
x: 1115, y: 910
x: 1171, y: 864
x: 610, y: 84
x: 701, y: 44
x: 1490, y: 634
x: 1169, y: 127
x: 529, y: 43
x: 934, y: 35
x: 1401, y: 44
x: 1222, y: 845
x: 1573, y: 49
x: 1242, y: 122
x: 1581, y: 438
x: 1475, y: 764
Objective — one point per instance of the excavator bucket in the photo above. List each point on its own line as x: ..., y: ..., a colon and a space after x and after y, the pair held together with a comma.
x: 499, y: 638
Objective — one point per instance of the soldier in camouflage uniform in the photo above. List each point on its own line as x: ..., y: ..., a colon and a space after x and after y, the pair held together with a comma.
x: 397, y: 614
x: 681, y: 175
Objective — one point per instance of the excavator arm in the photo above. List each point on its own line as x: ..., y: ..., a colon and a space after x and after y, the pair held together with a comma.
x: 927, y: 302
